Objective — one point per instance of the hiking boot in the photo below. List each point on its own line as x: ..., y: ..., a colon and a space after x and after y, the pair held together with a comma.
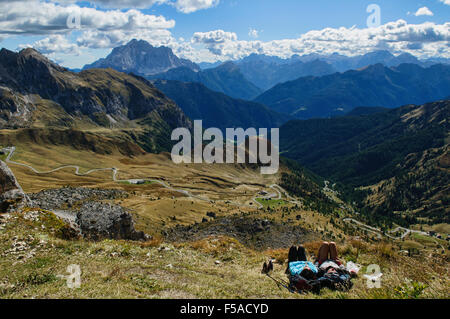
x: 293, y: 254
x: 265, y: 269
x: 301, y: 253
x: 270, y: 266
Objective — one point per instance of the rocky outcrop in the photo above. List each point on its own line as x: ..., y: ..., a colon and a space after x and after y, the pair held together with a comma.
x: 257, y: 233
x: 99, y: 221
x: 12, y: 196
x: 67, y: 198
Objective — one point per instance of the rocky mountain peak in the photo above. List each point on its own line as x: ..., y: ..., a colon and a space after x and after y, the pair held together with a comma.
x: 140, y: 57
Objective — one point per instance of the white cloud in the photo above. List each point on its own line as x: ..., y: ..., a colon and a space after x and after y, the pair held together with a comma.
x: 422, y: 40
x: 55, y: 43
x: 252, y: 33
x: 99, y: 29
x: 447, y: 2
x: 214, y: 37
x: 34, y: 17
x: 424, y: 11
x: 189, y: 6
x: 215, y: 40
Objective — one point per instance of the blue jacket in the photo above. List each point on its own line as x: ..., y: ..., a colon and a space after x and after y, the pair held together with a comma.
x: 296, y: 267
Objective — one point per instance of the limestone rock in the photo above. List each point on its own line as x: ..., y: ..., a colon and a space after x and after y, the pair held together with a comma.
x: 12, y: 196
x: 99, y: 221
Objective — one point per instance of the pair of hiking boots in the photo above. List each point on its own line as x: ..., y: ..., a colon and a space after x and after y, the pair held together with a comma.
x: 296, y: 254
x: 267, y: 267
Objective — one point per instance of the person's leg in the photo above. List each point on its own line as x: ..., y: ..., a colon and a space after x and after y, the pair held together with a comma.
x: 333, y: 251
x: 301, y: 253
x: 322, y: 255
x: 292, y: 255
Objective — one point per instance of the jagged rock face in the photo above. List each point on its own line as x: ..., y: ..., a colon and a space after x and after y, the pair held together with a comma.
x: 15, y: 109
x: 142, y: 58
x: 99, y: 221
x: 29, y: 71
x: 12, y: 196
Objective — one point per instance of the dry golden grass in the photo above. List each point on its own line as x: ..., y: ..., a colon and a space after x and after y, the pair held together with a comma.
x: 215, y: 267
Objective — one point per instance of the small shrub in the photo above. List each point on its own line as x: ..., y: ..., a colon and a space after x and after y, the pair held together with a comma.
x: 411, y: 291
x: 154, y: 242
x: 349, y: 252
x: 67, y: 233
x: 385, y: 250
x: 143, y: 283
x: 38, y: 279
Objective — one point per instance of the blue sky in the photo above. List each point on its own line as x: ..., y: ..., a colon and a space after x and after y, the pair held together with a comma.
x: 209, y: 30
x: 281, y: 19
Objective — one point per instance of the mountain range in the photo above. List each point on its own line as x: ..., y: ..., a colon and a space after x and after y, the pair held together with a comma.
x: 226, y: 78
x: 265, y: 72
x: 37, y: 93
x: 344, y: 63
x: 375, y: 85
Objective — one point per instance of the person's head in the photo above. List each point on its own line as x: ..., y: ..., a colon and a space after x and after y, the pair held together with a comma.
x: 307, y: 273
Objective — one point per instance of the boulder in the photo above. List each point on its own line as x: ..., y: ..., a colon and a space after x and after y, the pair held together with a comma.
x: 12, y: 197
x: 99, y: 221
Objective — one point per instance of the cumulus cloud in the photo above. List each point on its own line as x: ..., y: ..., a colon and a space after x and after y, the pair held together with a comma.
x: 424, y: 11
x: 214, y: 37
x: 215, y: 41
x: 252, y: 33
x: 99, y: 29
x: 55, y: 43
x: 34, y: 17
x: 427, y: 39
x: 189, y: 6
x: 447, y: 2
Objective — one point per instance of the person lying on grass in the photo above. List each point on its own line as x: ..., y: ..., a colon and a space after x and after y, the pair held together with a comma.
x: 327, y: 271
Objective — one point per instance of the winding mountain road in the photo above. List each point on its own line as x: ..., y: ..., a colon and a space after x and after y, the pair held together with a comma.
x: 278, y: 189
x: 380, y: 234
